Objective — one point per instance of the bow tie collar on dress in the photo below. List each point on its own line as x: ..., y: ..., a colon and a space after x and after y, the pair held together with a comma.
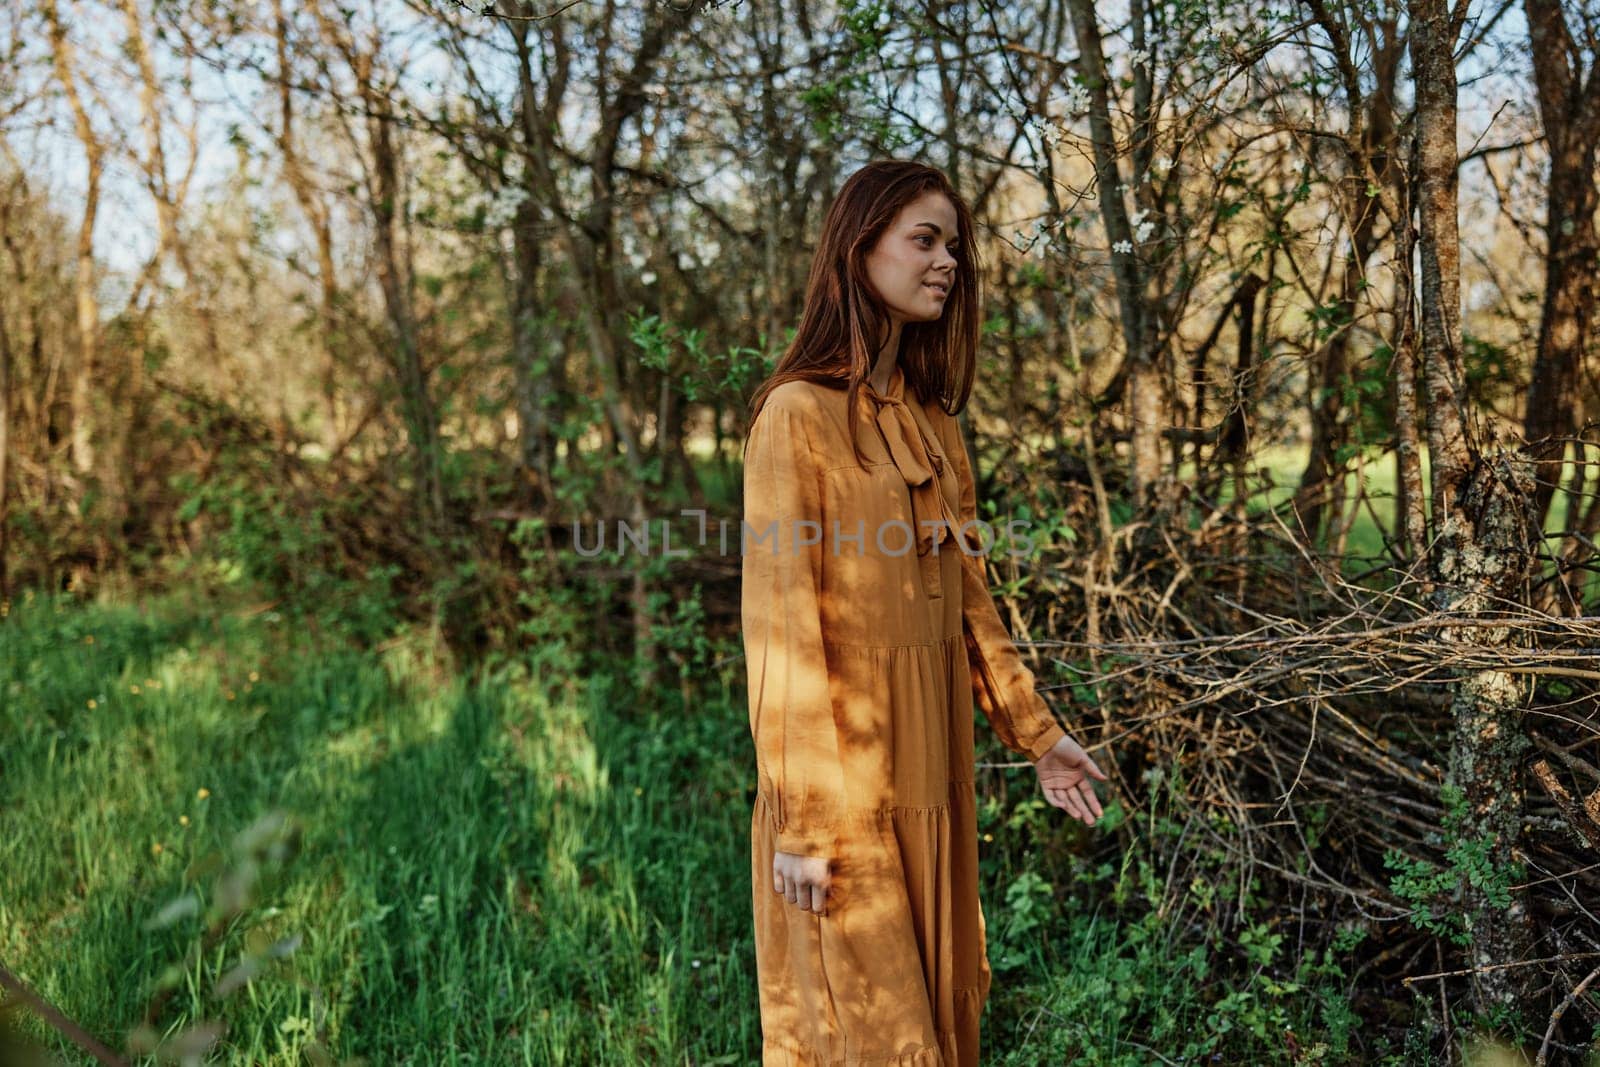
x: 920, y: 461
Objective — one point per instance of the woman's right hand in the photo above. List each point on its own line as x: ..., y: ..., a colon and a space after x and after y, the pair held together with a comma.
x: 802, y: 880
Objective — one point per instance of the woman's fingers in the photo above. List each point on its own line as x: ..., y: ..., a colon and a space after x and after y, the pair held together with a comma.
x: 1070, y: 803
x: 1077, y: 800
x: 812, y: 897
x: 1067, y: 801
x: 1091, y: 801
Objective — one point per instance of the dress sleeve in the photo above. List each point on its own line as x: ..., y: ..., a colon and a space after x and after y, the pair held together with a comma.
x: 791, y: 706
x: 1001, y: 682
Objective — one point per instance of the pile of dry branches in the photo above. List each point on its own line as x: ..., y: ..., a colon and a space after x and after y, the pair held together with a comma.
x: 1301, y: 713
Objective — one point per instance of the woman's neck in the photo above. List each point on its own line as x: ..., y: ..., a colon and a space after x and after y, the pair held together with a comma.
x: 883, y: 371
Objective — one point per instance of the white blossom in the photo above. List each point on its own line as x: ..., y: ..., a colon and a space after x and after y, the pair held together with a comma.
x: 1074, y: 101
x: 1122, y: 246
x: 503, y: 205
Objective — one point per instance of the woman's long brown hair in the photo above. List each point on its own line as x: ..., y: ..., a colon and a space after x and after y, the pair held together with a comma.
x: 844, y: 321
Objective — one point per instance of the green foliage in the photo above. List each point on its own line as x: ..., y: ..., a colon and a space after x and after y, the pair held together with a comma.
x: 682, y: 633
x: 1093, y: 965
x: 1435, y: 892
x: 696, y: 375
x: 837, y: 104
x: 263, y: 535
x: 1366, y: 395
x: 1029, y: 906
x: 1049, y: 532
x: 1115, y: 985
x: 1328, y: 319
x: 232, y: 940
x: 1493, y: 372
x: 553, y: 604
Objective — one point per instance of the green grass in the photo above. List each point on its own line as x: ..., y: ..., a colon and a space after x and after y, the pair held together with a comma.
x: 1376, y: 479
x: 494, y: 870
x: 1285, y: 465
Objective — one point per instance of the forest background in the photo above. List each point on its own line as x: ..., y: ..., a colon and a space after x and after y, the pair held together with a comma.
x: 326, y: 327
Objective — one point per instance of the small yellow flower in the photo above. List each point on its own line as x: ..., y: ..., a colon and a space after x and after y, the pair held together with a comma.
x: 638, y: 790
x: 155, y: 849
x: 988, y: 837
x: 202, y: 792
x: 254, y: 677
x: 91, y: 704
x: 230, y: 694
x: 183, y: 820
x: 133, y: 689
x: 88, y: 639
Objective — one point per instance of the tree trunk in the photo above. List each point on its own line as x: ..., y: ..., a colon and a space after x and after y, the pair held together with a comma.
x: 1144, y: 374
x: 88, y: 308
x: 394, y: 278
x: 384, y: 204
x: 316, y: 213
x: 5, y: 441
x: 531, y: 360
x: 1410, y: 518
x: 1569, y: 108
x: 1483, y: 548
x: 1369, y: 148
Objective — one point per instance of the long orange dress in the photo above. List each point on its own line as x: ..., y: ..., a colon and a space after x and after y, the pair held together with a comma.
x: 864, y: 651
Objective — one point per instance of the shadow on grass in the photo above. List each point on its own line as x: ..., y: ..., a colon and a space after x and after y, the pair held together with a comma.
x: 508, y: 869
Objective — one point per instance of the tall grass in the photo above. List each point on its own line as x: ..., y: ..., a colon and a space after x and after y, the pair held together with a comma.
x: 502, y: 868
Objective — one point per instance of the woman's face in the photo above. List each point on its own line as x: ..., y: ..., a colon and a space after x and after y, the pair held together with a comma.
x: 914, y: 257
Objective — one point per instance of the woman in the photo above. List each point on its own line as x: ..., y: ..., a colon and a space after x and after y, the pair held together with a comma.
x: 866, y: 625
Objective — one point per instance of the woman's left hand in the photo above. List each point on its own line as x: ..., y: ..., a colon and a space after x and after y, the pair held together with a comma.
x: 1064, y: 774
